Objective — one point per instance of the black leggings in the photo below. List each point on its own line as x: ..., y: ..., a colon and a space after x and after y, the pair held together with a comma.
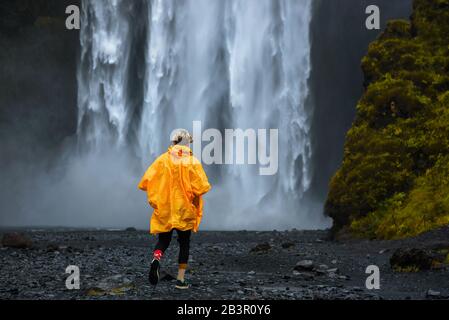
x: 164, y: 240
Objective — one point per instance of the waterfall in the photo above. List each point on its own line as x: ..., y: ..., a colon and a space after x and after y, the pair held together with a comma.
x: 229, y: 64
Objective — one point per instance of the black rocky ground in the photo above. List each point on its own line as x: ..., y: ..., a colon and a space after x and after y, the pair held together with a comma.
x: 224, y: 265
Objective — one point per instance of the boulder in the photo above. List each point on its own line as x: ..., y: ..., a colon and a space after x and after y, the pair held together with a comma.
x: 433, y: 294
x: 16, y: 240
x: 304, y: 265
x: 287, y: 245
x: 262, y: 247
x: 52, y: 247
x: 114, y: 286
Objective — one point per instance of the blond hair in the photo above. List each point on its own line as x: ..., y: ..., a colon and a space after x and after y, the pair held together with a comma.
x: 181, y: 137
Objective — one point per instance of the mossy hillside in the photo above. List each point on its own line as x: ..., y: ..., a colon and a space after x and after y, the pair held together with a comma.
x: 393, y: 182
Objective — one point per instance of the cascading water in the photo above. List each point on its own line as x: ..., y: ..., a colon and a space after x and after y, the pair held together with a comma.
x: 104, y: 111
x: 229, y: 64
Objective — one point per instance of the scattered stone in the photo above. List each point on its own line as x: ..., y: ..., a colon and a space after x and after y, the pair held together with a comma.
x: 274, y: 281
x: 241, y: 283
x: 323, y: 267
x: 304, y: 265
x: 383, y: 251
x: 215, y: 248
x: 411, y: 260
x: 320, y: 271
x: 16, y: 241
x: 262, y: 247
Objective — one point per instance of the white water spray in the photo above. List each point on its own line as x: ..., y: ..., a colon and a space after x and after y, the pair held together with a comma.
x: 229, y: 64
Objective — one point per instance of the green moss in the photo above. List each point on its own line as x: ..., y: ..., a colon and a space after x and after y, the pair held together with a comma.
x: 397, y: 29
x: 393, y: 182
x: 389, y: 99
x: 425, y: 207
x: 412, y: 269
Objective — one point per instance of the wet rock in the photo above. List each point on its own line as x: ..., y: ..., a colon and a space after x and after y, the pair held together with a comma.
x: 304, y: 275
x: 262, y: 247
x: 115, y: 285
x: 16, y: 241
x: 319, y: 272
x: 304, y: 265
x: 52, y: 247
x: 215, y: 249
x: 432, y: 294
x: 241, y: 283
x: 323, y: 267
x: 287, y: 245
x: 411, y: 260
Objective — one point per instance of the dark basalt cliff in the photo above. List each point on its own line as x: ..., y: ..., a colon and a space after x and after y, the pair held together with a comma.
x: 38, y: 87
x: 394, y: 180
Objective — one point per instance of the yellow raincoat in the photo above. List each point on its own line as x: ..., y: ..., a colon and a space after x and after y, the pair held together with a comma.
x: 175, y: 183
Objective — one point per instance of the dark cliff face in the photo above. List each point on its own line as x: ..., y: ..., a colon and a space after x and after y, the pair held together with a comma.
x: 394, y: 182
x: 38, y: 59
x: 339, y: 41
x: 19, y: 14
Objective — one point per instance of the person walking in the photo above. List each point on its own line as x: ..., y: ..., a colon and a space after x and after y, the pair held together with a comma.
x: 175, y: 184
